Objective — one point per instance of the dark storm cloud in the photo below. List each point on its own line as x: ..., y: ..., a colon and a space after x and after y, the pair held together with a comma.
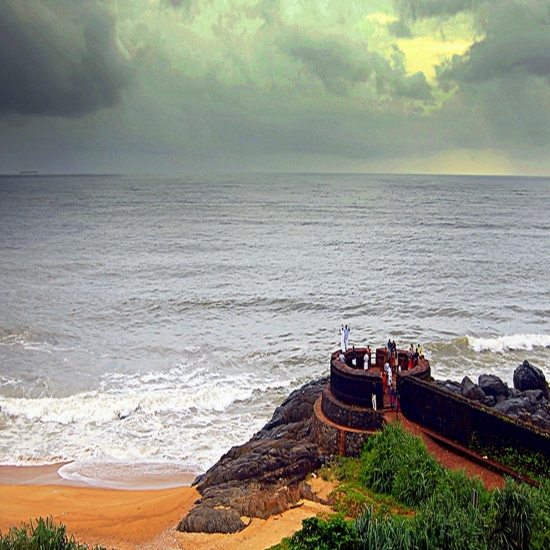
x: 340, y: 67
x: 411, y: 10
x: 58, y: 58
x: 517, y: 42
x: 505, y: 76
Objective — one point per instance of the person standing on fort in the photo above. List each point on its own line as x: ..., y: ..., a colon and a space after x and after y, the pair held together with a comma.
x: 342, y: 339
x: 387, y: 371
x: 392, y: 397
x: 346, y: 337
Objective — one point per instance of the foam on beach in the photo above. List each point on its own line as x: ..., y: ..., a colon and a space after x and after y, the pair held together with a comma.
x: 188, y: 415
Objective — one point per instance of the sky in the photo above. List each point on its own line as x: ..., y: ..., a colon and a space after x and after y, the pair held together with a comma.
x: 183, y: 86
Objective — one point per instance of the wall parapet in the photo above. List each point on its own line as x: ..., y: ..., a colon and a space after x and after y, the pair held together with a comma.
x: 466, y: 422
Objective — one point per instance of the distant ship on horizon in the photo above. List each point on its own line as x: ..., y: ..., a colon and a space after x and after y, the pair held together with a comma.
x: 27, y: 172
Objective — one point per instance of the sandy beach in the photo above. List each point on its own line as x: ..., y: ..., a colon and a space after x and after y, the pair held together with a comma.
x: 129, y: 519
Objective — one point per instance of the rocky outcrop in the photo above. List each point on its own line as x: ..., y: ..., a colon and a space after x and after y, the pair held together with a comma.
x: 528, y: 377
x: 527, y: 401
x: 472, y: 391
x: 264, y: 476
x: 492, y: 385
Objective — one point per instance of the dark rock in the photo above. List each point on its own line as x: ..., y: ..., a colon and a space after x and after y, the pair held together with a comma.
x: 450, y: 385
x: 493, y: 385
x: 490, y: 401
x: 541, y: 419
x: 472, y: 391
x: 203, y: 520
x: 513, y: 406
x: 528, y: 377
x: 265, y: 476
x: 536, y: 397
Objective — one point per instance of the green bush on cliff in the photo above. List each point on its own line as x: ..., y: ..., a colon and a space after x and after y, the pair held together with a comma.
x: 42, y: 535
x: 317, y: 534
x: 397, y: 463
x: 516, y: 517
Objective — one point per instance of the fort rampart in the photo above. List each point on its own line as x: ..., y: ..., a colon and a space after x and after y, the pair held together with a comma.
x: 464, y: 421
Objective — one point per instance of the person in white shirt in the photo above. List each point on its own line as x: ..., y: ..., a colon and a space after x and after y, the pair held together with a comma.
x: 346, y: 337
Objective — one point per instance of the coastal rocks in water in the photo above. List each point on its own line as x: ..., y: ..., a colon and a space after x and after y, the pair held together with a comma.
x: 528, y: 377
x: 450, y: 385
x: 471, y: 391
x: 527, y: 401
x: 264, y: 476
x: 493, y: 385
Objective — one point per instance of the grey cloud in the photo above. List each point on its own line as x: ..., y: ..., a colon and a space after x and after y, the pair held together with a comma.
x: 411, y: 10
x: 340, y: 67
x: 505, y: 77
x: 517, y: 42
x: 185, y: 4
x: 332, y: 65
x: 58, y: 58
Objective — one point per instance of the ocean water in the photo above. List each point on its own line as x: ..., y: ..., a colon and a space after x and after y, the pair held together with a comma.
x: 148, y: 324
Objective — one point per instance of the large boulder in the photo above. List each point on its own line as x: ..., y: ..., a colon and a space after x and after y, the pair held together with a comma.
x: 512, y: 407
x: 218, y: 520
x: 450, y: 385
x: 493, y: 385
x: 528, y: 377
x: 266, y: 475
x: 472, y: 391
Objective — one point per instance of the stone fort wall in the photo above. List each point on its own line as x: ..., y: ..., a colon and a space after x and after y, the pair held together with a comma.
x: 461, y: 420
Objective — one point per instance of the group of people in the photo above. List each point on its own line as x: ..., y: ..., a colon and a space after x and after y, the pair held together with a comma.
x: 413, y: 355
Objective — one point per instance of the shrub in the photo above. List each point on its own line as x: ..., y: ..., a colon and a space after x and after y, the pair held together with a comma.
x: 396, y: 462
x: 384, y: 532
x: 317, y: 534
x: 540, y: 537
x: 44, y: 535
x: 511, y: 518
x: 447, y: 522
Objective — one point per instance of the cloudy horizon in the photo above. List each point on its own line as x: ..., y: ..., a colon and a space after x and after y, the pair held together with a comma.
x: 174, y: 86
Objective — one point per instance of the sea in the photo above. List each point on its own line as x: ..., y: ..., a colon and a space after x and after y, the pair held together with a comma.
x: 150, y: 323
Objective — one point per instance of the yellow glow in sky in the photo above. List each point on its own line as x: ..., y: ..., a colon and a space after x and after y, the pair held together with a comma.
x: 422, y: 54
x: 427, y: 49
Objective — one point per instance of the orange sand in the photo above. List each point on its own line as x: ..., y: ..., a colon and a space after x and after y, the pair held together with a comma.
x: 128, y: 520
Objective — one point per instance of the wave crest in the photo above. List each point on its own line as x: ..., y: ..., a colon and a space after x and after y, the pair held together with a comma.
x: 510, y: 342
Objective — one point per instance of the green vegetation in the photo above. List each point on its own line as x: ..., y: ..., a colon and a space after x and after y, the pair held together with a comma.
x: 526, y: 462
x: 42, y: 535
x: 400, y: 498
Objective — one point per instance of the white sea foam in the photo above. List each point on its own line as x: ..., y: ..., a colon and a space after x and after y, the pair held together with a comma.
x: 510, y: 342
x: 142, y: 418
